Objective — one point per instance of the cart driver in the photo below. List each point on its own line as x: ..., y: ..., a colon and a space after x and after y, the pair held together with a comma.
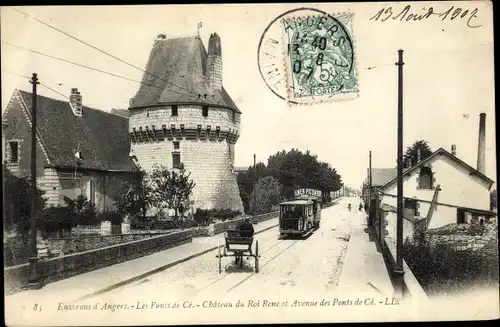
x: 246, y: 228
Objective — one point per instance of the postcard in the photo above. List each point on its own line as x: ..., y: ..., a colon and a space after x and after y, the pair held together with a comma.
x: 249, y: 163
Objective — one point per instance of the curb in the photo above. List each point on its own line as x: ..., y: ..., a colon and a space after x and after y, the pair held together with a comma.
x: 157, y: 270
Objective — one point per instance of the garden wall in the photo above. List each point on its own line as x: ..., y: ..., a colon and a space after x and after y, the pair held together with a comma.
x: 63, y: 246
x: 221, y: 227
x: 70, y: 265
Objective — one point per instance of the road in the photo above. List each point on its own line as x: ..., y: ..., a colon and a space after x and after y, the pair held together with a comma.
x: 287, y: 266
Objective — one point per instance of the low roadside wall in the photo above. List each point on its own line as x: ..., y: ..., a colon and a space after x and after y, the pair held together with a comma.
x: 221, y: 227
x: 16, y: 277
x: 69, y: 245
x: 412, y: 288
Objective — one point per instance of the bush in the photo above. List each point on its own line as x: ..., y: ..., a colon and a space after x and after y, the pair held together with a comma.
x: 82, y: 210
x: 56, y: 219
x: 17, y: 202
x: 115, y: 217
x: 441, y: 268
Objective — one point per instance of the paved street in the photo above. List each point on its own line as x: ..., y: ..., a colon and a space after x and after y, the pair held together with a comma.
x: 308, y: 265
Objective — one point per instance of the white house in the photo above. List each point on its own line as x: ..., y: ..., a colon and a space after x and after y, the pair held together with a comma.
x: 443, y: 189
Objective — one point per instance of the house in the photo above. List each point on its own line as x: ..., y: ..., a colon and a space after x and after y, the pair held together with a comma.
x: 380, y: 177
x: 442, y: 189
x: 80, y: 150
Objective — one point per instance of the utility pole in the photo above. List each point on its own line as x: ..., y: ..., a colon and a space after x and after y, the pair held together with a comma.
x: 399, y: 270
x: 34, y: 278
x: 254, y: 184
x: 370, y: 189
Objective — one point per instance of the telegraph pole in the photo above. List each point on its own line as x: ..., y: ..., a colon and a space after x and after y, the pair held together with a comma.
x: 399, y: 270
x: 254, y: 184
x: 34, y: 278
x: 370, y: 188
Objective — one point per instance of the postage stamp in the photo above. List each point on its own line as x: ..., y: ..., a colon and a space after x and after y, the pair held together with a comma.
x: 319, y: 58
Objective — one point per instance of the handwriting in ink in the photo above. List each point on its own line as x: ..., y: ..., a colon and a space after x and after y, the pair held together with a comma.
x: 405, y: 15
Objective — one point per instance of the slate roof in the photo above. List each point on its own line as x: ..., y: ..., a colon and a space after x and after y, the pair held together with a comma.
x: 182, y: 62
x: 102, y: 137
x: 120, y: 112
x: 442, y: 151
x: 381, y: 176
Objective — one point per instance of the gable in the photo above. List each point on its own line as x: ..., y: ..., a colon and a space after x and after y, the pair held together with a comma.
x: 437, y: 154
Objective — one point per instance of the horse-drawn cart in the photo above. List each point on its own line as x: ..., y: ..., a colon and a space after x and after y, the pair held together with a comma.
x: 238, y: 246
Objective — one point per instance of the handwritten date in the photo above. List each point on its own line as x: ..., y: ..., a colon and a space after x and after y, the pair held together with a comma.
x: 405, y: 15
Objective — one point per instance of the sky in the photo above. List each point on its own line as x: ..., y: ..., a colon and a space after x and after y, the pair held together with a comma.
x: 448, y: 75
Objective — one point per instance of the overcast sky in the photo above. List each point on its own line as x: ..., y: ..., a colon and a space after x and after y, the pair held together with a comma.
x: 448, y: 76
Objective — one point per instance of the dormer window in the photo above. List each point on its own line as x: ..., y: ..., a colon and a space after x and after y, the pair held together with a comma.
x: 204, y: 111
x: 425, y: 178
x: 175, y: 110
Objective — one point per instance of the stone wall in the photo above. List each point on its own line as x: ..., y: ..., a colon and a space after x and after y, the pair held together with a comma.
x: 466, y: 236
x: 221, y: 227
x: 64, y: 246
x: 70, y: 265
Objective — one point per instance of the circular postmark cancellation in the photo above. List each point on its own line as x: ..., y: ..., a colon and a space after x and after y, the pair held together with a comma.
x: 307, y: 56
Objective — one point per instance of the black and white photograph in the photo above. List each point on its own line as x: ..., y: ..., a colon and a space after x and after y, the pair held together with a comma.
x: 249, y: 163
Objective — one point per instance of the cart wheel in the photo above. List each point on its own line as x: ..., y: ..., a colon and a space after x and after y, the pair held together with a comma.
x: 220, y: 260
x: 257, y: 256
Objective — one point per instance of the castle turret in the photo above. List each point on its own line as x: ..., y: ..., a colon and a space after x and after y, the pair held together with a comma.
x: 214, y: 62
x: 182, y: 117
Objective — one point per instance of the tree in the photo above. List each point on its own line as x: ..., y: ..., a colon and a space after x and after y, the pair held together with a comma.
x: 82, y: 211
x: 137, y: 195
x: 268, y: 194
x: 245, y: 182
x: 295, y: 169
x: 411, y: 155
x: 17, y: 202
x: 171, y: 189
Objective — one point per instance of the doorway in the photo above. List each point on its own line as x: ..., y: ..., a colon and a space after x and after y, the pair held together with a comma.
x: 460, y: 216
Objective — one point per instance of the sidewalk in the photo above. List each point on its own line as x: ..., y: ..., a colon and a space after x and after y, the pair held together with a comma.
x: 108, y: 278
x: 364, y: 270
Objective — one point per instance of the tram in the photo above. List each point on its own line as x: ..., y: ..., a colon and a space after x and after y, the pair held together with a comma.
x: 302, y: 215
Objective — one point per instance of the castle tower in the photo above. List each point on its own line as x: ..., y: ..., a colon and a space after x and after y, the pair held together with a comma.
x: 182, y: 116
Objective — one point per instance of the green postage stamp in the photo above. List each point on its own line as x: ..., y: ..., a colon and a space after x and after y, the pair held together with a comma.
x: 320, y: 59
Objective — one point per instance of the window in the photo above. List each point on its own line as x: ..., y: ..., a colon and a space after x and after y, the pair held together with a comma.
x: 176, y: 145
x: 425, y: 178
x: 176, y: 160
x: 204, y: 111
x: 234, y: 117
x: 14, y: 151
x: 174, y: 110
x: 411, y: 206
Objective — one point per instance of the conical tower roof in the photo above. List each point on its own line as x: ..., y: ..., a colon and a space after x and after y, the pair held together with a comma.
x: 177, y: 68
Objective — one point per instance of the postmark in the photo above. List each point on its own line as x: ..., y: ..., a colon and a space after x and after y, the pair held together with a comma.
x: 307, y: 56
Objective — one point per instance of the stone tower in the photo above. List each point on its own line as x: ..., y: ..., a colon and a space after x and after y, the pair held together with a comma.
x: 182, y: 116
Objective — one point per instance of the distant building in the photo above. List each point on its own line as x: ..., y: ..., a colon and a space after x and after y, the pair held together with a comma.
x: 80, y: 150
x: 183, y: 118
x: 240, y: 170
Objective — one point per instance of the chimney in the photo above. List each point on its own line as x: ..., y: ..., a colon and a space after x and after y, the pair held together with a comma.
x: 481, y: 143
x: 214, y: 62
x: 75, y: 100
x: 453, y: 149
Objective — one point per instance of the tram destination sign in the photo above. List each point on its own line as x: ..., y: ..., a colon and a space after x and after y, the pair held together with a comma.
x: 308, y: 191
